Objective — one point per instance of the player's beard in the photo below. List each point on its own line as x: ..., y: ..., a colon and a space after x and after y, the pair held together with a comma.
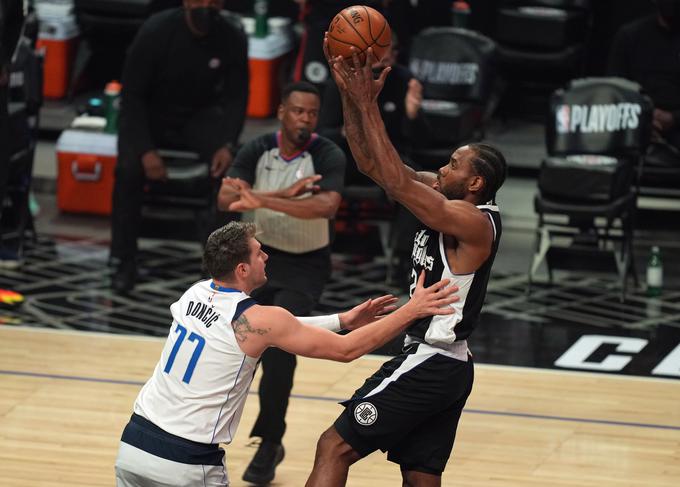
x: 453, y: 191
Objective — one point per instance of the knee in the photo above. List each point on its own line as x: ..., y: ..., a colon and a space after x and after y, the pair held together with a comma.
x: 332, y: 446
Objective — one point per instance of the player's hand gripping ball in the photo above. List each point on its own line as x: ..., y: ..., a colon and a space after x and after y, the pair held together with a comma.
x: 361, y: 27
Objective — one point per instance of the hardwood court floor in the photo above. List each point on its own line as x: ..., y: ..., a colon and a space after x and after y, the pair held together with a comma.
x: 65, y: 397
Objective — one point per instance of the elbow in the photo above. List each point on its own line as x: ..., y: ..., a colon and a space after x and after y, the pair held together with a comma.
x: 329, y: 213
x: 347, y: 353
x: 330, y: 209
x: 348, y: 357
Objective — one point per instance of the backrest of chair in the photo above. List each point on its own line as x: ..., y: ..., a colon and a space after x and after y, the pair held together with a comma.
x: 607, y: 116
x: 26, y: 81
x: 559, y: 4
x: 454, y: 64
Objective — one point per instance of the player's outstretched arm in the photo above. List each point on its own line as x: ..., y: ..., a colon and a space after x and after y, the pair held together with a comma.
x: 263, y: 326
x: 362, y: 314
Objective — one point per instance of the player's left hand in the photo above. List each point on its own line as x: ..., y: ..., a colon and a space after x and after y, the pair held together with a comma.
x: 220, y: 162
x: 367, y: 312
x: 355, y: 77
x: 247, y: 200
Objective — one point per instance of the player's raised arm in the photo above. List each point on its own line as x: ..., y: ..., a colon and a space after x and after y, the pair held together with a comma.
x: 377, y: 158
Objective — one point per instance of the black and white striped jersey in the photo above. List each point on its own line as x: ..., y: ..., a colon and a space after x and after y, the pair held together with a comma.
x: 429, y: 254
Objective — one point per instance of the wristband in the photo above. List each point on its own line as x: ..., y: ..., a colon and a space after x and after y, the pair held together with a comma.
x: 329, y: 322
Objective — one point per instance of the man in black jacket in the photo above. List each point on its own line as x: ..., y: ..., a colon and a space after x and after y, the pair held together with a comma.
x: 185, y: 86
x: 647, y: 51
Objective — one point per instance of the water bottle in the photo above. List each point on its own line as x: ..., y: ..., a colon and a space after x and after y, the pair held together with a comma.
x: 261, y: 25
x: 112, y: 106
x: 460, y: 14
x: 654, y: 272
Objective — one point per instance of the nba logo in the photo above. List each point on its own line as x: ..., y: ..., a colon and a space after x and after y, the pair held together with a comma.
x: 562, y: 117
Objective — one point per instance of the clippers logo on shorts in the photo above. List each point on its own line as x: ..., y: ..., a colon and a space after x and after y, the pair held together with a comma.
x: 444, y: 73
x: 587, y: 119
x: 365, y: 414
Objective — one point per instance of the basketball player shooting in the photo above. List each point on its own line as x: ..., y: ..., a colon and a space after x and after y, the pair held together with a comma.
x: 410, y: 408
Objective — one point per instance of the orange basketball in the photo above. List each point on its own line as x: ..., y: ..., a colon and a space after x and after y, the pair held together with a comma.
x: 362, y: 27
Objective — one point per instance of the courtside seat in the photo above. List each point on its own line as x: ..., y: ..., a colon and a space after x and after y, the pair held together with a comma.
x: 596, y: 135
x: 457, y: 68
x: 189, y: 194
x: 541, y: 45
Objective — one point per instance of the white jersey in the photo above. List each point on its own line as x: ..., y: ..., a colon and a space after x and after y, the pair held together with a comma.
x: 201, y: 382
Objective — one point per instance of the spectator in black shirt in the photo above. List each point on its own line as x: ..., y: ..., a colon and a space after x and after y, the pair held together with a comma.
x: 647, y: 51
x: 185, y: 87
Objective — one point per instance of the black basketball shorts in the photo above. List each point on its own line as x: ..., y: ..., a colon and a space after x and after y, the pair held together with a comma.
x: 409, y: 408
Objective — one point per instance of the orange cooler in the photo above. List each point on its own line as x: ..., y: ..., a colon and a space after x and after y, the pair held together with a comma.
x: 59, y: 37
x: 264, y: 60
x: 86, y: 163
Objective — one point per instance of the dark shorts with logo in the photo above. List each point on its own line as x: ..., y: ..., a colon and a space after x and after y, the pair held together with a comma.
x: 409, y: 408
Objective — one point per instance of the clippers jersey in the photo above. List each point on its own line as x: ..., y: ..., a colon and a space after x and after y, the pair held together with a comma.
x: 201, y: 382
x: 429, y: 254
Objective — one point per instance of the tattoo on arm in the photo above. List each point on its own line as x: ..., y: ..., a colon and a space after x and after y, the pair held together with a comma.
x: 356, y: 135
x: 242, y: 328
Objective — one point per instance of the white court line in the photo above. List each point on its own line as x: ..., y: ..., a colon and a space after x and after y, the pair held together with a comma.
x: 371, y: 357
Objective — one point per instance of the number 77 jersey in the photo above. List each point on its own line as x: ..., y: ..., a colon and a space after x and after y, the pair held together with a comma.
x: 200, y: 384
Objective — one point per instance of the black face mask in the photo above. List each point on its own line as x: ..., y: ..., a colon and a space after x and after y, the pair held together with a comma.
x: 670, y: 12
x: 303, y: 136
x: 203, y: 19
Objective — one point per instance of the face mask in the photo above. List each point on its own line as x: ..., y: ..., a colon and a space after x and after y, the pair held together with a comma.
x: 203, y: 18
x: 303, y: 136
x: 670, y: 12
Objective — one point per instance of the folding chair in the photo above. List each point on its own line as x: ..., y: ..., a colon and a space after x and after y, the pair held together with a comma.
x: 596, y: 135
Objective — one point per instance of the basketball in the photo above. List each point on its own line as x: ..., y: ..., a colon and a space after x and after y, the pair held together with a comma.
x: 362, y: 27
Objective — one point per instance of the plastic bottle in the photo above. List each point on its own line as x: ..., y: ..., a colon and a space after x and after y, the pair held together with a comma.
x: 112, y: 106
x: 460, y: 14
x: 654, y: 272
x: 261, y: 9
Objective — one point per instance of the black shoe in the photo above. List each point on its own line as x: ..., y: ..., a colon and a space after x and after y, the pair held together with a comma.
x: 124, y: 278
x: 262, y: 466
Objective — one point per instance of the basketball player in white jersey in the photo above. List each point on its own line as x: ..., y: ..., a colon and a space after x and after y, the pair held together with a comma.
x: 195, y: 397
x: 410, y: 408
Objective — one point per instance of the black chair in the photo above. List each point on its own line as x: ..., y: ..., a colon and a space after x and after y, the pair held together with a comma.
x: 457, y: 68
x: 541, y: 45
x: 25, y: 100
x: 189, y: 195
x: 597, y: 132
